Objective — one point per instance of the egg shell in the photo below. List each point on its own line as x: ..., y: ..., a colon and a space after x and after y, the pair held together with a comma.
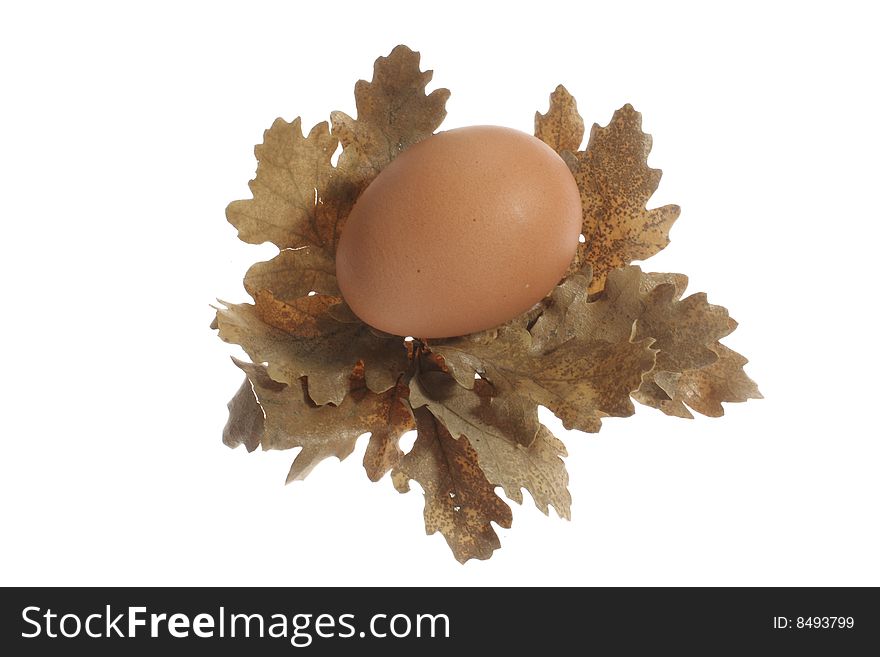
x: 460, y: 233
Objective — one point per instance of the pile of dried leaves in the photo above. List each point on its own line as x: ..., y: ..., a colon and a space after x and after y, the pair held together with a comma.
x: 609, y: 333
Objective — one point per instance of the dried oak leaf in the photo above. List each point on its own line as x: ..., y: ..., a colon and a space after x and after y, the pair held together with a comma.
x: 460, y: 502
x: 561, y: 128
x: 704, y: 389
x: 299, y: 317
x: 615, y: 182
x: 647, y: 305
x: 291, y: 419
x: 580, y: 380
x: 683, y: 330
x: 300, y: 202
x: 245, y: 425
x: 293, y: 173
x: 394, y: 418
x: 294, y: 273
x: 687, y: 333
x: 393, y: 113
x: 326, y: 351
x: 493, y: 424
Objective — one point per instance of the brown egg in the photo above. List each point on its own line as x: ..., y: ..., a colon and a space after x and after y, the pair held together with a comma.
x: 462, y: 232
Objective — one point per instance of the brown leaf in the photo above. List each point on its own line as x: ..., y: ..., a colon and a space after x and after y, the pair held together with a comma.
x: 616, y: 184
x: 393, y: 418
x: 683, y: 330
x: 611, y: 317
x: 483, y: 405
x: 639, y: 305
x: 293, y: 174
x: 299, y: 317
x: 493, y: 424
x: 583, y: 381
x: 686, y: 333
x: 393, y: 113
x: 705, y: 388
x: 327, y: 358
x: 245, y: 423
x: 568, y: 313
x: 293, y: 273
x: 571, y: 311
x: 459, y: 502
x: 580, y: 380
x: 292, y: 420
x: 561, y: 128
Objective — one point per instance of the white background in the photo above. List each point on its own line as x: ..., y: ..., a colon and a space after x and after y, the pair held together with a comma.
x: 125, y: 132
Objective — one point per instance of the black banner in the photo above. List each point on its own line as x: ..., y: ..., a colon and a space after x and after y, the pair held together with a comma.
x: 318, y: 621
